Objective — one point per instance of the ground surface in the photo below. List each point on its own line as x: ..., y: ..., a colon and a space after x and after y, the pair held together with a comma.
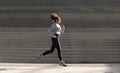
x: 55, y: 68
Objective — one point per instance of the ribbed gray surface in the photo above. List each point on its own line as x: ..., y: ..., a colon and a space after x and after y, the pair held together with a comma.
x: 92, y: 33
x: 78, y: 45
x: 79, y: 6
x: 74, y: 20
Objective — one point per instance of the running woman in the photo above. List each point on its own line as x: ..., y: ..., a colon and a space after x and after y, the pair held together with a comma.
x: 55, y: 30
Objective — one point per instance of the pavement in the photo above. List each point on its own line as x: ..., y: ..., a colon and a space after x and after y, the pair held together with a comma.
x: 55, y: 68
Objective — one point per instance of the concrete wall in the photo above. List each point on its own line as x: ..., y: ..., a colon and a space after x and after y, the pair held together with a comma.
x: 92, y: 30
x: 78, y: 45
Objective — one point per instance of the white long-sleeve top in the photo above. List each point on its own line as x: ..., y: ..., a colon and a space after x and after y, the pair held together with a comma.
x: 55, y: 28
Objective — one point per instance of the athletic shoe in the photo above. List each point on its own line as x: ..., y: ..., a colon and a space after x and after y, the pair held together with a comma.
x: 63, y: 64
x: 39, y: 58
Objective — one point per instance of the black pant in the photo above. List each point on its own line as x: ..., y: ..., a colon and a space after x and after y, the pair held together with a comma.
x: 55, y: 44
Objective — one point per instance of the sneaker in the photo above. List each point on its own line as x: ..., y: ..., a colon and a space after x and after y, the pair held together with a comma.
x: 63, y: 64
x: 39, y: 58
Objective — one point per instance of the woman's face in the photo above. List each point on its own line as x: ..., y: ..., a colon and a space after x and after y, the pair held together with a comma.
x: 53, y: 15
x: 59, y: 20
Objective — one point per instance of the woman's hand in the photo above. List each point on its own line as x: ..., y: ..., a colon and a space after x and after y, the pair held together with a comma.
x: 63, y: 27
x: 54, y: 36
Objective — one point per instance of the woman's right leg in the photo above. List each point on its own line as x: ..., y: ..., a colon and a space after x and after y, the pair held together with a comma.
x: 48, y: 51
x: 52, y: 48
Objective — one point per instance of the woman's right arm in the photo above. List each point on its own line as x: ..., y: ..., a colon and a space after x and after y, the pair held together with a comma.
x: 53, y: 36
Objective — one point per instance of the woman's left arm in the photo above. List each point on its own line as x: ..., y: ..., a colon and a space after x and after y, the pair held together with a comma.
x: 63, y: 28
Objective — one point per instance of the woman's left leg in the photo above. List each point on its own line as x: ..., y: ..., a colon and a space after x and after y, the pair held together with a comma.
x: 58, y: 47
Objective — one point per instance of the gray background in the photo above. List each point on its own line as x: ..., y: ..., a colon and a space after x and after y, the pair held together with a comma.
x: 92, y: 30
